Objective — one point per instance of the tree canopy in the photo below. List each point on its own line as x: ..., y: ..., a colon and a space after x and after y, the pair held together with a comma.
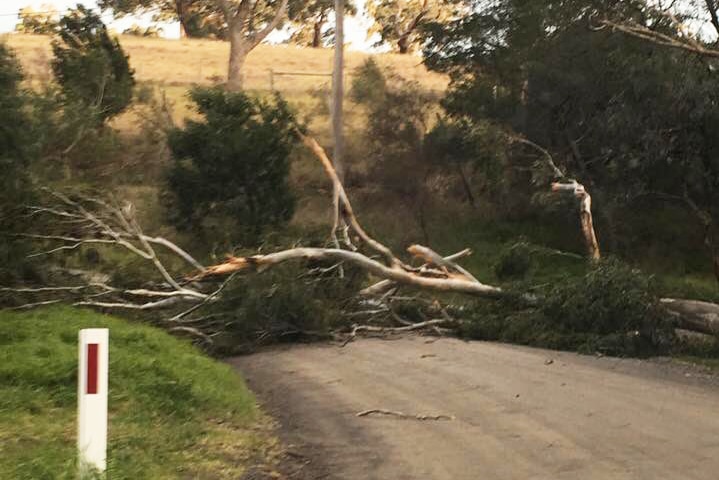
x: 90, y: 66
x: 233, y: 165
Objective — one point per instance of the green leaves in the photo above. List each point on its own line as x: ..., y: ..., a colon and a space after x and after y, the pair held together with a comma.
x: 90, y: 66
x: 233, y: 166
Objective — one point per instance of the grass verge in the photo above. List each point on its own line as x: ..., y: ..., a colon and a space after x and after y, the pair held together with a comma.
x: 174, y: 413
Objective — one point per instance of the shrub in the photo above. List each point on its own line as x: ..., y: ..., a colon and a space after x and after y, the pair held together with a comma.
x: 90, y: 66
x: 14, y: 161
x: 612, y: 309
x: 234, y: 164
x: 288, y: 303
x: 514, y: 262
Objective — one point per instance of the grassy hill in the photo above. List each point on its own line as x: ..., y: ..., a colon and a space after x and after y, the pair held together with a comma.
x: 186, y: 62
x: 174, y: 413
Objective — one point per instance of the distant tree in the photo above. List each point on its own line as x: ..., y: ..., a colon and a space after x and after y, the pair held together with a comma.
x: 310, y: 21
x: 43, y: 22
x: 138, y: 31
x: 245, y: 23
x: 90, y: 66
x: 397, y: 113
x: 398, y: 22
x: 197, y: 18
x: 234, y: 164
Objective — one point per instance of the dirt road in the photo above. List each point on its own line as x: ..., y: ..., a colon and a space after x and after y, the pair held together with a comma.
x: 517, y: 413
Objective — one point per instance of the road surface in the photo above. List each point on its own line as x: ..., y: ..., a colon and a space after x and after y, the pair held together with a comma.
x: 515, y: 413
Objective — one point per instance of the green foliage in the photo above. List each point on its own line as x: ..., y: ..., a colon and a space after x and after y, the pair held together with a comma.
x: 612, y: 310
x: 284, y: 304
x: 629, y: 118
x: 397, y: 116
x: 38, y: 23
x: 173, y: 411
x: 234, y: 164
x: 138, y: 31
x: 514, y: 262
x: 90, y: 66
x: 309, y: 19
x: 398, y: 21
x: 15, y: 157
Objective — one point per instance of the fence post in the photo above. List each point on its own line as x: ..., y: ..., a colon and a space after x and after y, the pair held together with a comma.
x: 272, y: 80
x: 92, y: 400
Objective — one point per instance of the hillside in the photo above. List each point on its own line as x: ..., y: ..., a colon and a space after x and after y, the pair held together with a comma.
x: 174, y: 413
x: 189, y: 61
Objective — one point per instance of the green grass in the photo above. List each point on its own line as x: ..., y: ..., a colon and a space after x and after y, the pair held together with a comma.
x: 174, y: 413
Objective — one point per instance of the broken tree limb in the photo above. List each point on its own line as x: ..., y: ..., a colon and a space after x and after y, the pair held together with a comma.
x: 396, y: 274
x: 585, y: 215
x: 694, y: 315
x: 433, y: 258
x: 383, y: 286
x: 576, y: 188
x: 345, y: 205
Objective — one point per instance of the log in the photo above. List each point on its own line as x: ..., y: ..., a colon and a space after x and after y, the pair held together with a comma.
x: 694, y: 315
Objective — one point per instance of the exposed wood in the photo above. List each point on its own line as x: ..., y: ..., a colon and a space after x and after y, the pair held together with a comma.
x: 694, y: 315
x: 585, y: 215
x: 262, y: 262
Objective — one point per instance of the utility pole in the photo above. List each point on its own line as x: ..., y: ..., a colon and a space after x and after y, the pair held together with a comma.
x: 338, y: 89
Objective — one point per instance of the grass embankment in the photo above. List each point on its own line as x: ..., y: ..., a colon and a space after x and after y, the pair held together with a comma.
x: 174, y: 413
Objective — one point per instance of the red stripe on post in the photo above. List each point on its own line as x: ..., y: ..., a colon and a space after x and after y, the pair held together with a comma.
x: 92, y: 360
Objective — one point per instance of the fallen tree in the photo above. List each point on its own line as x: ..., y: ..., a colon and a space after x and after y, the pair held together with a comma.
x: 94, y: 221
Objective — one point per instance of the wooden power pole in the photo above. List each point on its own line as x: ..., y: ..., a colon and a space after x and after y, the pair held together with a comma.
x: 338, y: 89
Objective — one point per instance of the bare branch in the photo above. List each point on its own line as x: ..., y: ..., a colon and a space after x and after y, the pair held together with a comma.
x: 263, y: 262
x: 346, y: 206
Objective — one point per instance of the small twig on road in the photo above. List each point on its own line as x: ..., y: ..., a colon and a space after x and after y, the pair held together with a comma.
x: 403, y: 416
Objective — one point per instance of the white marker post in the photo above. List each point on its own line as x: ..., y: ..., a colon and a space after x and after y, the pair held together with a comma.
x: 92, y: 400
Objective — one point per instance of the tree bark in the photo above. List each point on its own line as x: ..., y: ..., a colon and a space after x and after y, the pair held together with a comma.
x: 403, y: 44
x: 693, y: 315
x: 317, y: 35
x: 238, y: 55
x: 181, y: 17
x: 243, y: 37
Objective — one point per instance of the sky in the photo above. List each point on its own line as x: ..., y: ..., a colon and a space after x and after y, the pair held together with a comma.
x: 355, y: 27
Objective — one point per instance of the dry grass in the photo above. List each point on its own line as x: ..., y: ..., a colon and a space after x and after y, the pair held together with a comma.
x: 187, y: 62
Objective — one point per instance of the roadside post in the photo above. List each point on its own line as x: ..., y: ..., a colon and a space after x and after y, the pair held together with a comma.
x: 92, y: 400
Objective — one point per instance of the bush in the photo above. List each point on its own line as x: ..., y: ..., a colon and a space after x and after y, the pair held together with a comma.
x: 288, y: 303
x: 90, y: 66
x: 514, y: 262
x: 234, y: 165
x: 612, y: 309
x: 14, y: 161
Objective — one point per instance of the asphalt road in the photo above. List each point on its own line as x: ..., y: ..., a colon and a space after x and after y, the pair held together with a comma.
x: 515, y: 413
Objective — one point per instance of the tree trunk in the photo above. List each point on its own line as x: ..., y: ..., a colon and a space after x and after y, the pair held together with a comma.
x: 182, y: 17
x: 338, y: 89
x: 403, y: 44
x: 238, y: 55
x: 467, y: 187
x: 693, y: 315
x: 317, y: 35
